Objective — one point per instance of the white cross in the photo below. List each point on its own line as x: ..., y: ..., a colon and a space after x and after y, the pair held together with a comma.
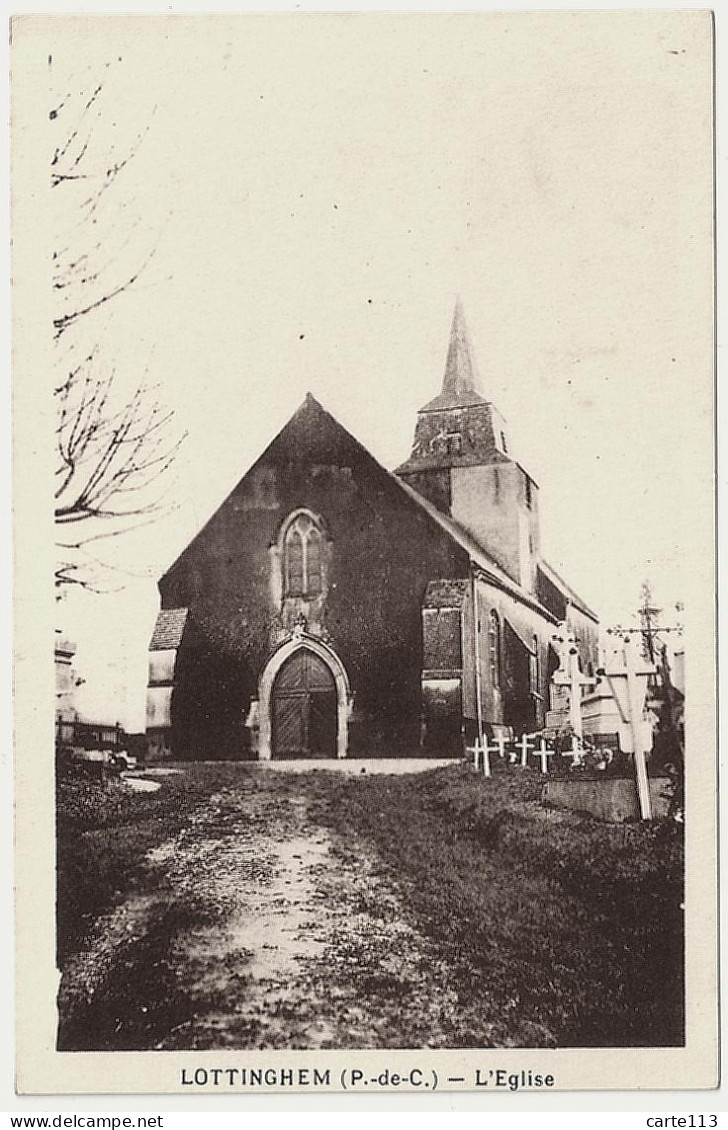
x: 476, y: 750
x: 501, y: 743
x: 525, y: 750
x: 544, y: 753
x: 576, y: 753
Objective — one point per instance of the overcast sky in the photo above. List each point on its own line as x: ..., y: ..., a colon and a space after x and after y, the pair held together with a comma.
x: 318, y: 190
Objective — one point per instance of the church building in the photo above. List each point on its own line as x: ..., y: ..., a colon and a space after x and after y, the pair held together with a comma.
x: 332, y: 608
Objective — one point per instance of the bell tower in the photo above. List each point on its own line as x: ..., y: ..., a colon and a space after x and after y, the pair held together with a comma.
x: 460, y: 462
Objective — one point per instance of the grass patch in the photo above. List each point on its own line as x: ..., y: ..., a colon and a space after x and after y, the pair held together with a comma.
x: 132, y: 988
x: 143, y: 1001
x: 103, y: 834
x: 570, y: 930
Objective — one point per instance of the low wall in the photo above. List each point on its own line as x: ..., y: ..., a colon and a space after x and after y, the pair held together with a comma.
x: 609, y: 798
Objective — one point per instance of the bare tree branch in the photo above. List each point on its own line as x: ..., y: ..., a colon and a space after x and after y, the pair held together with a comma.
x: 62, y: 323
x: 115, y: 439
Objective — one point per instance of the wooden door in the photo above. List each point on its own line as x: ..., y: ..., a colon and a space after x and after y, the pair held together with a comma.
x: 304, y: 708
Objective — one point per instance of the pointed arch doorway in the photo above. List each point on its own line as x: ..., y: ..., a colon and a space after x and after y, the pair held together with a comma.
x: 303, y: 708
x: 304, y: 702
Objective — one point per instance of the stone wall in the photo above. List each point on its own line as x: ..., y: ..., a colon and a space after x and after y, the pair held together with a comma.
x: 609, y: 798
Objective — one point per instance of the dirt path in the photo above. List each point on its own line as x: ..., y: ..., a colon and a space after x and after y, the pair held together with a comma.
x: 263, y: 931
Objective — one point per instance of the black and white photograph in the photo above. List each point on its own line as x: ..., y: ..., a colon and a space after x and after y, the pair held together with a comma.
x: 365, y: 566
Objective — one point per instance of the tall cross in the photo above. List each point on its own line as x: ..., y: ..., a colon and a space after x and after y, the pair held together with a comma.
x: 569, y: 675
x: 650, y: 630
x: 628, y: 680
x: 641, y: 729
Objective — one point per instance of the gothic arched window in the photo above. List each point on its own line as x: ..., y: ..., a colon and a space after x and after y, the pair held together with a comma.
x: 494, y: 648
x: 313, y: 562
x: 294, y: 563
x: 535, y: 668
x: 302, y: 558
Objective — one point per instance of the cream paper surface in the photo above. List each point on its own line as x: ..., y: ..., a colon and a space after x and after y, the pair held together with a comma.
x: 554, y: 168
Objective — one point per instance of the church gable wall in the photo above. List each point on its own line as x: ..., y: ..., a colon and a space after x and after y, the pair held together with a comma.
x: 382, y: 552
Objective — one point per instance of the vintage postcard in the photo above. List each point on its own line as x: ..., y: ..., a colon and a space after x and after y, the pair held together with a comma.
x: 365, y: 554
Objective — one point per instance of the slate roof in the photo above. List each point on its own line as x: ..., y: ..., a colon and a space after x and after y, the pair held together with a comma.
x: 571, y: 596
x: 168, y: 629
x: 461, y: 379
x: 527, y: 644
x: 445, y: 594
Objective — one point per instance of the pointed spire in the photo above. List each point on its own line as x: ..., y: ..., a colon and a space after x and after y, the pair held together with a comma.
x: 460, y: 368
x: 461, y: 379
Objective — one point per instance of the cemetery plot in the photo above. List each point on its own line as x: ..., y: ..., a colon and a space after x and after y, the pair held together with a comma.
x: 577, y: 736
